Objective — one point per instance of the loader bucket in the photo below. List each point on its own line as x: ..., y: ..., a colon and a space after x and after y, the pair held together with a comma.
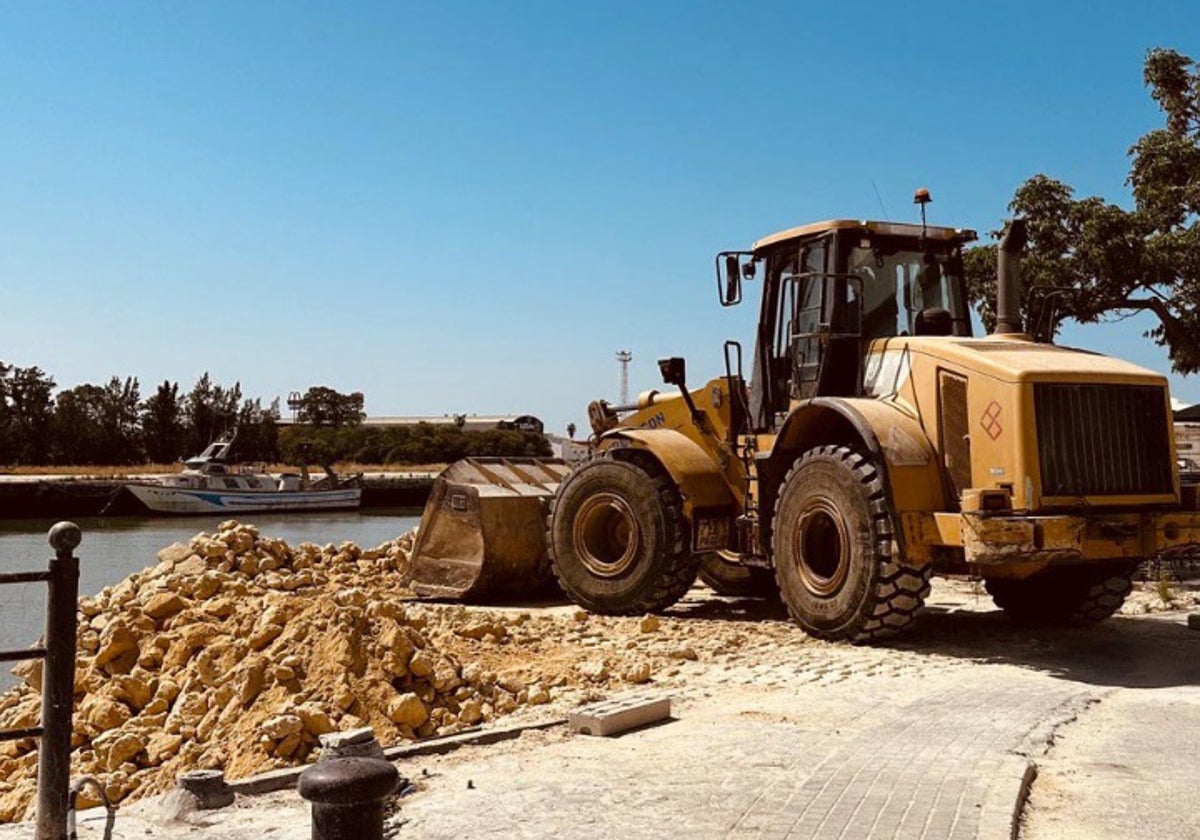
x: 482, y: 531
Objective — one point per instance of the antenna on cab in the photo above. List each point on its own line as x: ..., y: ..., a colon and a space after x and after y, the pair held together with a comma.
x: 922, y: 197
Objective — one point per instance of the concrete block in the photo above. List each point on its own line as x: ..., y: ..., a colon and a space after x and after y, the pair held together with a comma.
x: 612, y: 717
x: 352, y: 743
x: 336, y: 740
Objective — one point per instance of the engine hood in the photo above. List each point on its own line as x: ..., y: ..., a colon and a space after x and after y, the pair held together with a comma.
x: 1009, y: 358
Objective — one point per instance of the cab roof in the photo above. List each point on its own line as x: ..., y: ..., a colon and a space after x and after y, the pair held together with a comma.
x: 880, y: 228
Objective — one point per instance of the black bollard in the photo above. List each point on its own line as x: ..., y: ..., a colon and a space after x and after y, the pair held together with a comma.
x: 347, y: 796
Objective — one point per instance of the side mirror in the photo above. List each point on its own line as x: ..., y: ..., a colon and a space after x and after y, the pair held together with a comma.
x: 731, y: 271
x: 673, y: 370
x: 733, y: 280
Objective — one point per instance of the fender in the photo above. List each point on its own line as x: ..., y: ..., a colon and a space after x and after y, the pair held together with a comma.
x: 912, y: 474
x: 698, y: 477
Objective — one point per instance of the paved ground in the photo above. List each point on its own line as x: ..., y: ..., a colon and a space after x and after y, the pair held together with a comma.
x: 932, y: 737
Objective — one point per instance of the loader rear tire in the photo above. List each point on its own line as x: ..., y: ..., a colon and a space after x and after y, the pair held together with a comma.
x: 618, y: 541
x: 730, y: 578
x: 1070, y: 595
x: 837, y: 564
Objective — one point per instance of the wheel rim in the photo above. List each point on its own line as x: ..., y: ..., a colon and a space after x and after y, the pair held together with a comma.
x: 821, y: 547
x: 606, y: 535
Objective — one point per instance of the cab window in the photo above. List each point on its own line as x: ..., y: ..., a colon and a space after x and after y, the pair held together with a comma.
x: 899, y: 285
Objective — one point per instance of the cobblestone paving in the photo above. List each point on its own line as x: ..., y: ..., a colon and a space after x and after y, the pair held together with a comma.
x: 925, y: 771
x: 943, y: 762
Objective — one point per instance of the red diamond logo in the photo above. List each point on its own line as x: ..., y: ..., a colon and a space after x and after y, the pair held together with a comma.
x: 991, y: 420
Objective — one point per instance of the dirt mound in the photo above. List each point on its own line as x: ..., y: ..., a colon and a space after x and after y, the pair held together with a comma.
x: 237, y: 650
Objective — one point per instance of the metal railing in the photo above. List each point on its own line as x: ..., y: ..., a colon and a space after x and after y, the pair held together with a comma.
x: 58, y: 679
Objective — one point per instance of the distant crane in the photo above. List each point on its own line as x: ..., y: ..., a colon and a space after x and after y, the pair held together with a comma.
x: 624, y: 357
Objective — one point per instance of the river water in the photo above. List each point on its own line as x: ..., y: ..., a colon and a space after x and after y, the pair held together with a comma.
x: 115, y: 547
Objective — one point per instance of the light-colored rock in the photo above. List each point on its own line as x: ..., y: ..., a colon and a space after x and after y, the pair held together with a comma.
x: 596, y: 671
x: 123, y: 749
x: 207, y: 585
x: 316, y: 721
x: 471, y: 712
x: 637, y: 673
x: 422, y: 664
x: 103, y: 714
x: 29, y: 671
x: 408, y: 710
x: 263, y: 635
x: 164, y: 605
x: 278, y: 727
x: 133, y: 690
x: 174, y: 553
x: 191, y: 566
x: 118, y: 647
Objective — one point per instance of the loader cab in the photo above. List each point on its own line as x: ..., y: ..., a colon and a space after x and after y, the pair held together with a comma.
x: 832, y: 288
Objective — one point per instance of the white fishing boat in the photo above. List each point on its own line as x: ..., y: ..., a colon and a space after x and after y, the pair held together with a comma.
x: 209, y: 484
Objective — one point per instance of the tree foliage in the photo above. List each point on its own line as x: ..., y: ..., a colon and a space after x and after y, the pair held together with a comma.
x: 258, y: 434
x: 111, y: 424
x: 424, y: 443
x: 26, y: 412
x: 162, y: 424
x: 1090, y: 260
x: 322, y: 406
x: 96, y: 424
x: 211, y: 411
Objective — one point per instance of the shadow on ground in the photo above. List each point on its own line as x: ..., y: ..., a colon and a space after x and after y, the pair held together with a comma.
x: 1127, y: 652
x: 717, y: 608
x: 1130, y: 652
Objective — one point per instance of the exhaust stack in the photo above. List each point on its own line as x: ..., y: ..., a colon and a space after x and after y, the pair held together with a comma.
x: 1008, y: 278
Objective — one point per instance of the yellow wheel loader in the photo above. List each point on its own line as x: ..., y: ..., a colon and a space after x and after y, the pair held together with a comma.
x: 876, y: 443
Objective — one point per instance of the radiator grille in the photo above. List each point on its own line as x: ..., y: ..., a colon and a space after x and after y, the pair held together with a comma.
x: 1102, y: 440
x: 956, y: 447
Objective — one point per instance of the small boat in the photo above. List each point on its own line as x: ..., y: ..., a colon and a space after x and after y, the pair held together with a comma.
x: 209, y: 484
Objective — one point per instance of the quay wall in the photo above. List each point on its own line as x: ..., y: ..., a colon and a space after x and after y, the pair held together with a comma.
x: 64, y: 497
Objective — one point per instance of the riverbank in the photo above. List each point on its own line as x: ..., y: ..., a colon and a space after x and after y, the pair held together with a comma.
x: 70, y: 496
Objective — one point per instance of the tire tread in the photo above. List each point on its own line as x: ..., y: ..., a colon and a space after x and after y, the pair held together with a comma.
x: 682, y: 565
x: 900, y: 590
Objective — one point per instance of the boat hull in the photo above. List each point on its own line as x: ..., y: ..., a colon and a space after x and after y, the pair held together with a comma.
x: 183, y: 501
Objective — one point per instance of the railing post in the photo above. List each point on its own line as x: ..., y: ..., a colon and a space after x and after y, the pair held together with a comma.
x: 58, y: 684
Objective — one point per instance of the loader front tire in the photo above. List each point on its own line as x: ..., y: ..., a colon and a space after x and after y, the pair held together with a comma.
x: 1070, y: 595
x: 836, y: 562
x: 618, y: 541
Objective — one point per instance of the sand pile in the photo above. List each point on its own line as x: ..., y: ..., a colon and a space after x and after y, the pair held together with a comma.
x: 237, y: 650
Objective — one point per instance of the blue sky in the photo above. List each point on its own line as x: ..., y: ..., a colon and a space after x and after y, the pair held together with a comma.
x: 469, y: 207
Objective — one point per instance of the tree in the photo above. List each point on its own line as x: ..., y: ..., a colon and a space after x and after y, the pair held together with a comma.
x: 321, y: 406
x: 26, y: 411
x: 211, y: 410
x: 258, y: 434
x: 1090, y: 260
x: 162, y: 424
x: 96, y: 424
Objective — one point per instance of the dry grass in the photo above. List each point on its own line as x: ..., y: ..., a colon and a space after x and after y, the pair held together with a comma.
x: 373, y: 468
x: 92, y: 470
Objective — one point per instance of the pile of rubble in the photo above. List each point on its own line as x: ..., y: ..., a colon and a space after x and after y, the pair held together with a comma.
x: 236, y: 651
